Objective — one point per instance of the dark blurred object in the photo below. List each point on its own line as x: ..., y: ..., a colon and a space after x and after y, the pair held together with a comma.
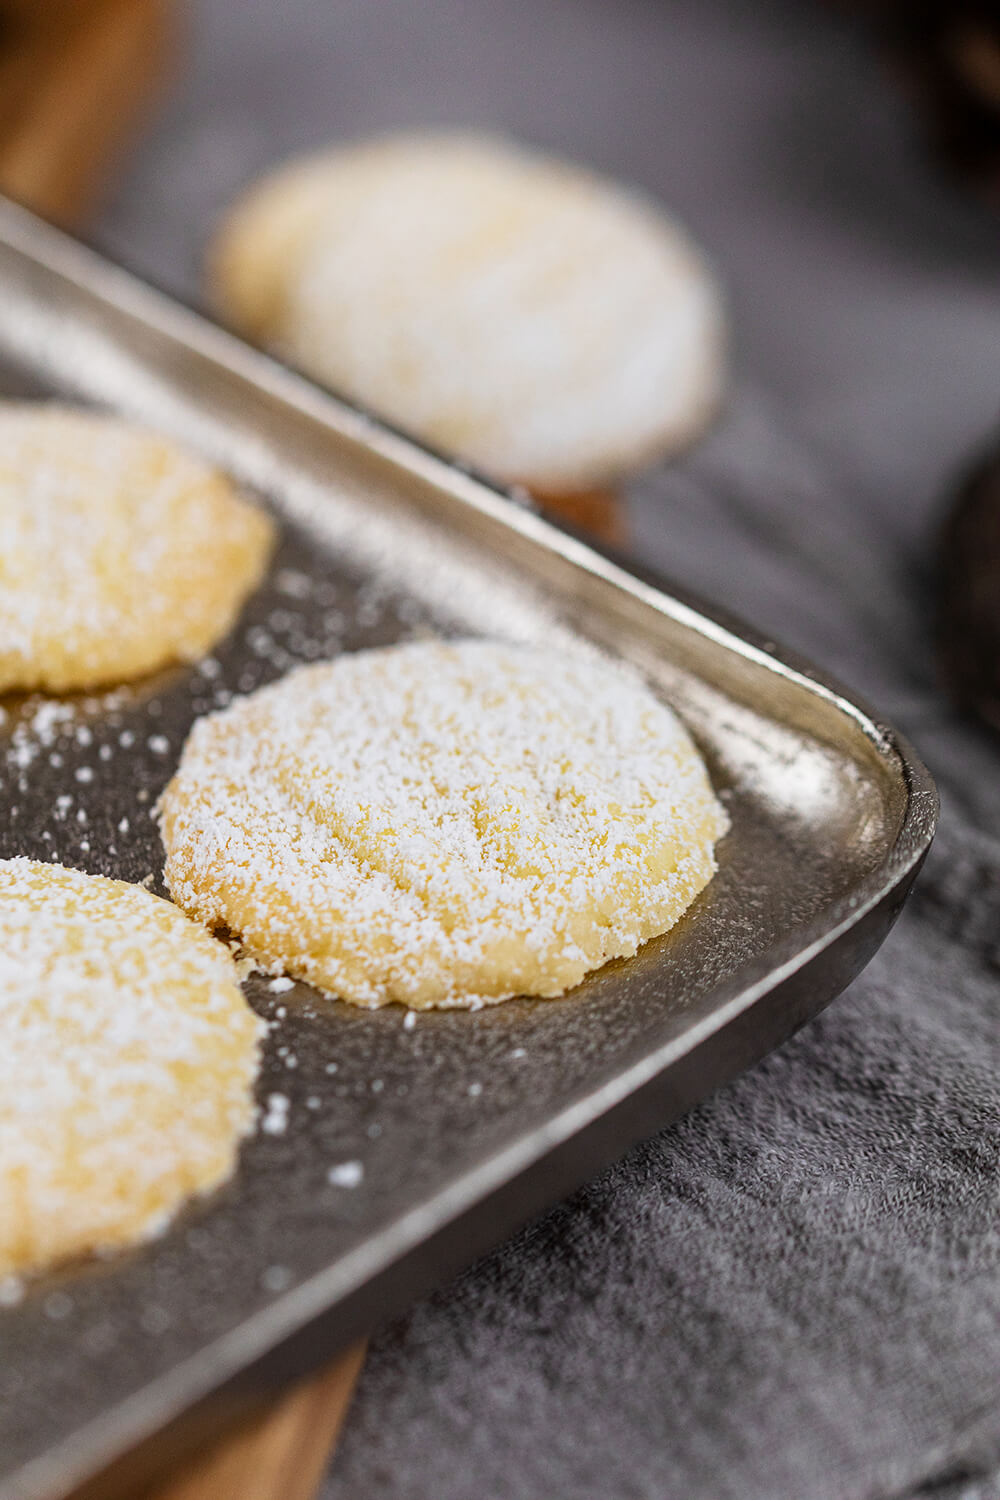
x: 76, y: 79
x: 970, y: 591
x: 948, y: 52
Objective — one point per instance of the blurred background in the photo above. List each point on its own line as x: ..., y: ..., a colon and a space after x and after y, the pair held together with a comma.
x: 863, y: 282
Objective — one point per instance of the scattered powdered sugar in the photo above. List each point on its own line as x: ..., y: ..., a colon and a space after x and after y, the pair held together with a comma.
x: 11, y: 1291
x: 40, y: 725
x: 347, y: 1174
x: 275, y: 1119
x: 293, y: 583
x: 58, y: 1305
x: 76, y: 727
x: 276, y: 1278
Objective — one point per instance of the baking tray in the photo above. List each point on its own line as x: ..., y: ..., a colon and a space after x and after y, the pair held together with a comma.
x: 463, y: 1125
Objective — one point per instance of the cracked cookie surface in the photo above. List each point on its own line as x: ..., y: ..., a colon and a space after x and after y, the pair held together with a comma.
x: 442, y: 824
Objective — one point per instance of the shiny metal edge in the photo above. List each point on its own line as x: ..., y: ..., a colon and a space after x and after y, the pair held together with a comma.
x: 248, y: 1359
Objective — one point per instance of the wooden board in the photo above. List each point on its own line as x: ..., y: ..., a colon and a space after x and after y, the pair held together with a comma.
x: 281, y: 1456
x: 76, y: 78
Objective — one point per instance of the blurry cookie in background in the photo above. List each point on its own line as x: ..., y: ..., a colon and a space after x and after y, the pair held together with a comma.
x: 551, y: 327
x: 119, y: 551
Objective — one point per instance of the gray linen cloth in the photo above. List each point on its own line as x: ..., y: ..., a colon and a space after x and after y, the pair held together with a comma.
x: 793, y: 1293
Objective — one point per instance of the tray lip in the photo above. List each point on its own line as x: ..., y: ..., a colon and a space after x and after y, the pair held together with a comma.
x: 57, y: 253
x: 103, y: 279
x: 82, y: 1456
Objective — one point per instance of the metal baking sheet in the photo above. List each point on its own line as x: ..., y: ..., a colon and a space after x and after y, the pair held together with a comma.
x: 463, y: 1125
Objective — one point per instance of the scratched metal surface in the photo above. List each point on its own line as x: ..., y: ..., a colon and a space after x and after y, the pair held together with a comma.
x: 380, y: 542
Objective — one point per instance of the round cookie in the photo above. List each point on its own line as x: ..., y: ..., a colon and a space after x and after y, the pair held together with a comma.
x: 546, y: 324
x: 119, y: 552
x: 441, y: 824
x: 127, y: 1055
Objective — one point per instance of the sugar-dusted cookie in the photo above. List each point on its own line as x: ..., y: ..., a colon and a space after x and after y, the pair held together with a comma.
x: 442, y: 824
x: 547, y: 324
x: 119, y: 552
x: 127, y: 1055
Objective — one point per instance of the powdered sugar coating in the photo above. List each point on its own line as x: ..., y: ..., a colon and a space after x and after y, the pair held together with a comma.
x: 551, y: 326
x: 127, y: 1056
x: 442, y: 824
x: 119, y: 552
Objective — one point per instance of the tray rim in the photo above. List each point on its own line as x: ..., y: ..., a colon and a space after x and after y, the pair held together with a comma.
x: 70, y: 257
x: 873, y: 894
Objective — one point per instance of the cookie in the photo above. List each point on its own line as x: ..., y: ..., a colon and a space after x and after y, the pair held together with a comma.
x: 127, y: 1055
x: 441, y: 824
x: 552, y: 327
x: 119, y: 552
